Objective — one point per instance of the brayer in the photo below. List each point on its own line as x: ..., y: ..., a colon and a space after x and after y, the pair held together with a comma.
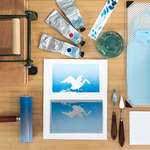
x: 25, y: 119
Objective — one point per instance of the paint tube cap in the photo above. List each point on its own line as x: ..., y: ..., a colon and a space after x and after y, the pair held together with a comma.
x: 82, y: 43
x: 81, y: 54
x: 82, y: 29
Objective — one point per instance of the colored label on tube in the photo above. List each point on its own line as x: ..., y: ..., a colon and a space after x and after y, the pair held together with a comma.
x: 70, y: 10
x: 49, y: 43
x: 56, y: 21
x: 102, y: 18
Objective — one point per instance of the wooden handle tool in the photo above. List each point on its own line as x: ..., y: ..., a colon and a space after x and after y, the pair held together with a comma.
x: 121, y: 133
x: 114, y: 100
x: 9, y: 118
x: 121, y: 124
x: 114, y: 126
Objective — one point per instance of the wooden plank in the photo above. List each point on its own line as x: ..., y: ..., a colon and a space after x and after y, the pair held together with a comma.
x: 6, y: 39
x: 12, y: 6
x: 9, y: 133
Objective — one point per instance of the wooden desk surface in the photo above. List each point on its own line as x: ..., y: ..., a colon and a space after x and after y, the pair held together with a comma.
x: 9, y: 133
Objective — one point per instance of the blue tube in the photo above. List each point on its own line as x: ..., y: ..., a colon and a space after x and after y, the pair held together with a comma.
x: 26, y: 119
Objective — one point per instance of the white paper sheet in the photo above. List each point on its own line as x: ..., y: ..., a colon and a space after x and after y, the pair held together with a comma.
x: 75, y: 104
x: 139, y: 128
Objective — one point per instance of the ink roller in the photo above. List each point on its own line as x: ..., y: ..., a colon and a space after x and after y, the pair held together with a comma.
x: 25, y: 119
x: 16, y: 37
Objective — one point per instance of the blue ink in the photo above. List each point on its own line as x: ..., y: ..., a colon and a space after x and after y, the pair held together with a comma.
x: 72, y: 78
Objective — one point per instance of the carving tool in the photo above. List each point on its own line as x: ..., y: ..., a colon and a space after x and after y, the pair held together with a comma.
x: 121, y: 124
x: 114, y: 118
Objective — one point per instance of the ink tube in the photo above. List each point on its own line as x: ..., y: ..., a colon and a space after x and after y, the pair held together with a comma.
x: 71, y: 11
x: 51, y: 44
x: 56, y: 21
x: 102, y: 18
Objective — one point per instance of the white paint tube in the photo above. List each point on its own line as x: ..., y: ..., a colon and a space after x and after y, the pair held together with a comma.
x: 102, y: 18
x: 56, y: 21
x: 71, y: 11
x: 49, y: 43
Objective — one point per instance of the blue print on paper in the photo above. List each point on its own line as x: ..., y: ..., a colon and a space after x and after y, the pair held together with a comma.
x: 75, y: 78
x: 76, y: 117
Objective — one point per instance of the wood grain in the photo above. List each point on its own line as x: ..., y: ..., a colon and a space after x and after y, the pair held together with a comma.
x: 9, y: 95
x: 12, y: 6
x: 6, y: 41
